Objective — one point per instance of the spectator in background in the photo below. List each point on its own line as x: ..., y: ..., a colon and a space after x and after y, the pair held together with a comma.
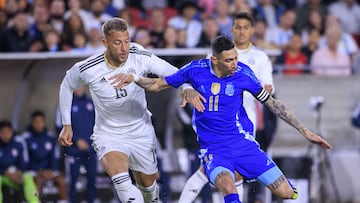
x: 329, y: 60
x: 57, y: 11
x: 95, y: 37
x: 109, y: 8
x: 3, y: 21
x: 181, y: 38
x: 73, y: 24
x: 43, y: 159
x: 75, y: 8
x: 40, y: 24
x: 312, y: 45
x: 223, y: 18
x: 186, y: 20
x: 171, y: 42
x: 270, y: 11
x: 280, y: 35
x: 348, y: 12
x: 97, y: 14
x: 11, y: 9
x: 142, y: 37
x: 157, y: 27
x: 81, y: 152
x: 292, y: 58
x: 209, y: 33
x: 315, y: 21
x: 125, y: 14
x: 258, y: 38
x: 12, y: 165
x: 303, y: 12
x: 238, y: 6
x: 17, y: 38
x: 79, y: 43
x: 347, y: 44
x: 51, y: 40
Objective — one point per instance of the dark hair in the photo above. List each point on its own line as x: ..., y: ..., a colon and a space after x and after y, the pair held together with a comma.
x: 244, y: 15
x: 37, y: 113
x: 220, y: 44
x: 114, y: 24
x: 5, y: 124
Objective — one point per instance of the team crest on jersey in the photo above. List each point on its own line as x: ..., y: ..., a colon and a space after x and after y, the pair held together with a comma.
x: 131, y: 70
x: 48, y: 146
x: 229, y: 89
x: 14, y: 152
x: 215, y: 88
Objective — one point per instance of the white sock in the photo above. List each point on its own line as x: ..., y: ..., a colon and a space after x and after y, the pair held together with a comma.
x: 193, y: 187
x: 126, y: 191
x: 151, y: 193
x: 240, y: 189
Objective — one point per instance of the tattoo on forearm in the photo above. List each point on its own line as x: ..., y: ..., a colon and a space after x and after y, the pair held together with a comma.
x: 284, y: 113
x: 277, y: 182
x: 146, y: 82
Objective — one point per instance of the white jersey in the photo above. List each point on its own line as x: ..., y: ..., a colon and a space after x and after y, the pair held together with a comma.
x: 117, y: 112
x: 261, y: 65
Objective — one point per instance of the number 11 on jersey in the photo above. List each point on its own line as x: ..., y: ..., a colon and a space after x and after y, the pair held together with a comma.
x: 214, y: 103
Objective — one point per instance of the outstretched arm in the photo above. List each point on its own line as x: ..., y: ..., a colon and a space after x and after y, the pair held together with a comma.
x: 285, y: 114
x: 151, y: 84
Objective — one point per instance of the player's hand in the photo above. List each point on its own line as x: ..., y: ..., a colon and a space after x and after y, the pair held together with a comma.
x: 194, y: 98
x: 316, y: 139
x: 65, y: 137
x: 120, y: 80
x: 268, y: 88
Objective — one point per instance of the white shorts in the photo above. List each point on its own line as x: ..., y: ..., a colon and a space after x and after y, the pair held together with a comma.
x: 141, y: 150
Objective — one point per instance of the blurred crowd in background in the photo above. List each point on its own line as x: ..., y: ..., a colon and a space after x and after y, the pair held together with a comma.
x: 304, y: 33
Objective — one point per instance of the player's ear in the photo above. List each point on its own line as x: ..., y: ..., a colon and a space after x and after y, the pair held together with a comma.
x: 104, y: 41
x: 214, y: 60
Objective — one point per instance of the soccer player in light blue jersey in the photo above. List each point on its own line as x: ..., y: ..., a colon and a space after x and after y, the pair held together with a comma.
x: 225, y: 148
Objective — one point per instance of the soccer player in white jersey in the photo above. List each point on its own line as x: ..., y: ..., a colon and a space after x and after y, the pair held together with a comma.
x: 123, y: 136
x: 260, y: 64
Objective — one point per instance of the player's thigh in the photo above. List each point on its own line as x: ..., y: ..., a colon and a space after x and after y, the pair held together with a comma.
x: 115, y: 162
x: 281, y: 188
x: 224, y: 181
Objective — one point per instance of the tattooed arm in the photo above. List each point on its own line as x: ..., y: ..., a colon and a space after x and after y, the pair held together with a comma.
x: 152, y: 84
x: 285, y: 114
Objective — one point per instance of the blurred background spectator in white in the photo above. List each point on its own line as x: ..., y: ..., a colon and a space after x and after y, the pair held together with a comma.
x: 57, y: 11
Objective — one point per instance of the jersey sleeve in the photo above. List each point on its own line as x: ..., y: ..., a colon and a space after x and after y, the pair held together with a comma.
x: 152, y: 63
x: 266, y: 76
x: 71, y: 81
x: 180, y: 77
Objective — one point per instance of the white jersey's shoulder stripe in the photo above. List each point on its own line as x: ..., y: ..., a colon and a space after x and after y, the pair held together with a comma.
x: 91, y: 63
x: 135, y: 50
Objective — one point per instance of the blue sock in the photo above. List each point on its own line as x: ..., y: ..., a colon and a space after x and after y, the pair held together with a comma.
x: 232, y: 198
